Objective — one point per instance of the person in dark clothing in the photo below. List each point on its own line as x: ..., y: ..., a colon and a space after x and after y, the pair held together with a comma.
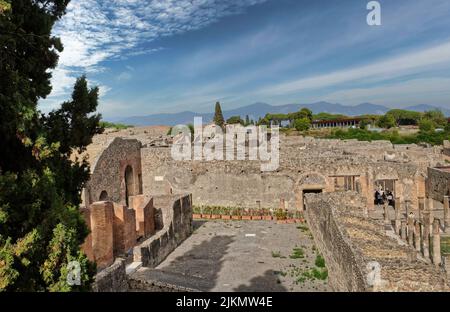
x: 379, y: 197
x: 390, y: 198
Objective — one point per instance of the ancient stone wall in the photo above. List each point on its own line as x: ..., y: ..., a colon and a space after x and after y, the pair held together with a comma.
x: 177, y: 226
x: 359, y: 252
x: 112, y: 279
x: 115, y: 172
x: 305, y: 166
x: 438, y: 183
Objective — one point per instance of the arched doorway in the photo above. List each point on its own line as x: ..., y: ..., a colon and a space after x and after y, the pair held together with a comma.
x: 129, y: 183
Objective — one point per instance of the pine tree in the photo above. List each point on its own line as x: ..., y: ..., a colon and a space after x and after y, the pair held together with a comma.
x: 41, y: 228
x: 218, y: 116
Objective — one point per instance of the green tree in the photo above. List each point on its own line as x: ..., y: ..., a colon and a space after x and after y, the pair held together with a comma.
x: 218, y: 116
x: 386, y: 121
x: 363, y: 124
x: 426, y: 125
x: 437, y: 118
x: 306, y: 113
x: 405, y: 117
x: 302, y: 124
x: 247, y: 120
x: 41, y: 228
x: 235, y: 120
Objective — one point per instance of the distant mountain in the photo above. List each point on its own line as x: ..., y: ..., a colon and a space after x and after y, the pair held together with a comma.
x: 426, y: 107
x: 257, y: 110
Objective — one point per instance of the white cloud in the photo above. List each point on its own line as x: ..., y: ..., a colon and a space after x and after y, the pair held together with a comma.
x: 405, y: 93
x: 94, y: 31
x: 412, y: 63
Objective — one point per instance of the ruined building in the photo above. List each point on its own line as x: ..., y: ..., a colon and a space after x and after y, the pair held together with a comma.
x: 139, y: 204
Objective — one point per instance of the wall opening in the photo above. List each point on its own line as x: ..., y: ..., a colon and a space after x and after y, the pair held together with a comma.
x: 309, y: 191
x: 129, y: 183
x: 104, y: 196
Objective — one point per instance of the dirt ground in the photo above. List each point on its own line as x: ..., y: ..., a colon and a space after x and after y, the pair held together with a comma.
x: 244, y: 256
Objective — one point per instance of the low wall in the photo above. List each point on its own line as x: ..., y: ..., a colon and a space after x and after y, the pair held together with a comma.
x: 360, y: 254
x: 177, y: 226
x: 112, y: 279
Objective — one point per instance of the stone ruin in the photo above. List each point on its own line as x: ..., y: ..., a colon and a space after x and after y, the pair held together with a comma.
x: 125, y: 220
x: 138, y: 203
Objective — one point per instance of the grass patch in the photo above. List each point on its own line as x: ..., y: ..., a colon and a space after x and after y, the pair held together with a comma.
x: 316, y: 274
x: 297, y: 253
x: 303, y: 228
x: 320, y: 261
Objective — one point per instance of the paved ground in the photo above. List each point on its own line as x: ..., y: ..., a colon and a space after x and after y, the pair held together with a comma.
x: 242, y: 256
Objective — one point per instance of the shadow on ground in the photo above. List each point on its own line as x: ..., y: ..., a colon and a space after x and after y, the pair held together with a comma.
x: 201, y: 264
x: 269, y: 282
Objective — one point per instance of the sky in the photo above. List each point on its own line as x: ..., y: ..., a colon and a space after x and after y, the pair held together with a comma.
x: 168, y: 56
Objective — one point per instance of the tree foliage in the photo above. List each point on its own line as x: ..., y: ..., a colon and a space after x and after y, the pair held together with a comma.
x: 235, y: 120
x: 302, y: 124
x: 218, y: 116
x: 386, y: 121
x: 41, y: 228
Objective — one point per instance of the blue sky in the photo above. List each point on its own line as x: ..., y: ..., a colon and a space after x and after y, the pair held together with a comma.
x: 170, y: 56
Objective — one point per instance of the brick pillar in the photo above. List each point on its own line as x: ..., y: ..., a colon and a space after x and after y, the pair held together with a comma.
x: 403, y: 230
x: 397, y: 208
x: 436, y: 242
x: 411, y: 229
x: 102, y: 222
x: 130, y: 230
x: 417, y: 234
x: 446, y: 213
x: 426, y: 235
x: 87, y: 245
x: 124, y: 229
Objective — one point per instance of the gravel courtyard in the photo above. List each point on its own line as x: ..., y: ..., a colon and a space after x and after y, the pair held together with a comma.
x: 244, y: 256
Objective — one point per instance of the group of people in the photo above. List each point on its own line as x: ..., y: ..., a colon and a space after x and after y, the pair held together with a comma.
x: 383, y: 196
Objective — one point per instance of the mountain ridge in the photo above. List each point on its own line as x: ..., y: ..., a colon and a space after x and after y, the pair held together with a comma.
x: 260, y: 109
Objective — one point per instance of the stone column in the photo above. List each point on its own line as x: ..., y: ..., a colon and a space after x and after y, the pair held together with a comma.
x: 407, y: 208
x: 436, y: 242
x: 397, y: 208
x: 403, y: 230
x: 102, y: 219
x: 417, y: 234
x: 429, y: 205
x: 446, y: 213
x: 426, y: 235
x: 421, y: 207
x: 411, y: 229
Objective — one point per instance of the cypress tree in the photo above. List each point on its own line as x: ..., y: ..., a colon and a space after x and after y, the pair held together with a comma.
x: 218, y: 116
